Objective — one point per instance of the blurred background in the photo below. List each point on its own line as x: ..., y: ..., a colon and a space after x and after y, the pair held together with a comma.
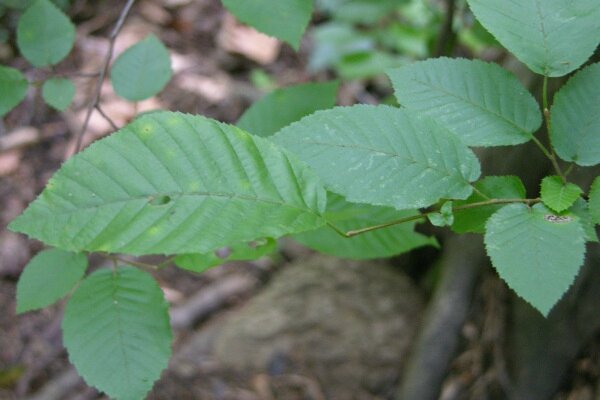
x: 437, y: 322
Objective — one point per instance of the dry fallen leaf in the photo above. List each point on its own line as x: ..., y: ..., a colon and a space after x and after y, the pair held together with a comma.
x: 241, y: 39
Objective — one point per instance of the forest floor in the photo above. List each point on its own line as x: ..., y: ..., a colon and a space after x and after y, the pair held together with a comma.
x: 213, y: 60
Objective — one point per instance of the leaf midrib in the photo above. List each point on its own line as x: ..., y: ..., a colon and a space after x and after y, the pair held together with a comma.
x: 538, y: 8
x: 476, y: 105
x: 183, y: 194
x: 396, y: 155
x: 115, y: 300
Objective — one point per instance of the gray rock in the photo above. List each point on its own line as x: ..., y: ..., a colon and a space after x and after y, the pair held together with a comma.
x: 347, y: 325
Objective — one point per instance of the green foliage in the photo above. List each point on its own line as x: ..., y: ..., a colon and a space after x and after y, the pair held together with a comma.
x: 45, y: 35
x: 476, y: 38
x: 536, y: 252
x: 206, y: 192
x: 23, y: 4
x: 383, y: 156
x: 491, y: 187
x: 359, y: 11
x: 142, y: 70
x: 553, y: 37
x: 185, y: 189
x: 58, y: 93
x: 287, y: 105
x: 116, y: 330
x: 594, y: 204
x: 13, y: 87
x: 48, y: 276
x: 237, y: 252
x: 444, y: 217
x: 284, y: 19
x: 351, y: 52
x: 410, y: 41
x: 582, y: 210
x: 482, y: 103
x: 558, y: 195
x: 262, y: 80
x: 575, y: 129
x: 377, y: 244
x: 363, y: 38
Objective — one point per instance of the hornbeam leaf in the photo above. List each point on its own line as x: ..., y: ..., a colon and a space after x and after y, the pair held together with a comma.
x: 535, y: 251
x: 582, y: 210
x: 50, y: 275
x: 575, y: 115
x: 558, y: 195
x: 382, y: 155
x: 482, y: 103
x: 553, y: 37
x: 58, y: 93
x: 13, y: 87
x: 142, y: 70
x: 116, y: 330
x: 45, y: 35
x: 171, y: 183
x: 594, y: 203
x: 284, y: 19
x: 286, y: 105
x: 491, y: 187
x: 380, y: 243
x: 444, y: 217
x: 237, y: 252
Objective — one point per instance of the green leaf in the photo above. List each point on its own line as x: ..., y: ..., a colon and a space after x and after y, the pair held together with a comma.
x: 594, y: 203
x: 142, y: 70
x: 116, y: 330
x: 491, y: 187
x: 58, y: 93
x: 380, y: 243
x: 238, y: 252
x: 443, y: 218
x: 336, y: 41
x: 553, y: 37
x: 174, y: 183
x: 365, y: 12
x: 581, y: 209
x: 287, y: 105
x: 48, y: 276
x: 367, y: 65
x: 557, y: 195
x: 382, y: 155
x: 45, y: 35
x: 575, y: 116
x: 536, y: 252
x: 13, y: 87
x: 284, y: 19
x: 23, y: 4
x: 482, y: 103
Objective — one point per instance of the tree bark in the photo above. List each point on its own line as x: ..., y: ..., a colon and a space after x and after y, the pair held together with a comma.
x: 439, y: 334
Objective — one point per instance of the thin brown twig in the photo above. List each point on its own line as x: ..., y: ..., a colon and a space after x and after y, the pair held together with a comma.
x: 106, y: 117
x: 166, y: 262
x: 426, y: 214
x: 96, y: 98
